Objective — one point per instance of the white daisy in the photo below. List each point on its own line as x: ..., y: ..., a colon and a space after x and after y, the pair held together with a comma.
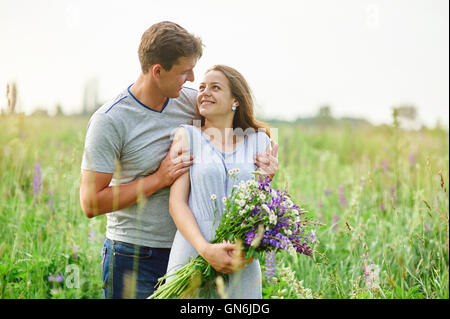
x: 273, y: 219
x: 266, y: 208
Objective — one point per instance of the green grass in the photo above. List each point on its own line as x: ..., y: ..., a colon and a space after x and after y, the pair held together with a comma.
x: 387, y: 196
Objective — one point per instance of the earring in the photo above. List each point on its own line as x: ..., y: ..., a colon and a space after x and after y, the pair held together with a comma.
x: 234, y: 107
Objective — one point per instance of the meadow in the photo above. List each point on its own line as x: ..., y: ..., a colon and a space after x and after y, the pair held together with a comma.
x: 380, y: 193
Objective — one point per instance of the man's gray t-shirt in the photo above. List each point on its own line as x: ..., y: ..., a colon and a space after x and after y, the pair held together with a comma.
x: 128, y: 133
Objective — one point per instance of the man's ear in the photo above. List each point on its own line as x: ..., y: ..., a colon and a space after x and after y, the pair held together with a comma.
x: 156, y: 70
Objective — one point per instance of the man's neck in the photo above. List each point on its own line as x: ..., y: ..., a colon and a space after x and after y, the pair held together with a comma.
x: 145, y: 90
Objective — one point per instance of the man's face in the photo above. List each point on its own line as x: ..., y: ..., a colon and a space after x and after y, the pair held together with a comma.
x: 171, y: 82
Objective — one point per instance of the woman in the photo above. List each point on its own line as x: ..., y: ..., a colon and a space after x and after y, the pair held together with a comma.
x: 227, y: 141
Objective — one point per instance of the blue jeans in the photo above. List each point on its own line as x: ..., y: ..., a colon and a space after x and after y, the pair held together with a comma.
x: 131, y: 271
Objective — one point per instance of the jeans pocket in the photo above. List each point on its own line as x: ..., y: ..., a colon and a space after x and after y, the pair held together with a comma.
x: 130, y: 250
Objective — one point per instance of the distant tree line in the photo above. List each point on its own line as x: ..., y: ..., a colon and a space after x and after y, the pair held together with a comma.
x: 323, y: 117
x: 404, y: 116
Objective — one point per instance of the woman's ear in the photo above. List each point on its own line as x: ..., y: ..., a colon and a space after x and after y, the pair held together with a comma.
x: 235, y: 105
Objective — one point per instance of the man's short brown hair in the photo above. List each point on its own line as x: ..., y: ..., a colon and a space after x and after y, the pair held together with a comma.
x: 164, y: 43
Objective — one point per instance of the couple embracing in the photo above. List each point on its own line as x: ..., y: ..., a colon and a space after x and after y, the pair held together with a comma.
x: 154, y: 156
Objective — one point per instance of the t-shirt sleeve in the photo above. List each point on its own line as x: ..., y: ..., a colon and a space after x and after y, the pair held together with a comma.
x: 189, y: 101
x: 192, y: 97
x: 102, y: 145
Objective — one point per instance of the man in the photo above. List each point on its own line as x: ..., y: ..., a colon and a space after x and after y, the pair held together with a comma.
x: 127, y: 167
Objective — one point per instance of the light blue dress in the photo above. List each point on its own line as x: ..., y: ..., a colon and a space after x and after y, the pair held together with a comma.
x: 208, y: 176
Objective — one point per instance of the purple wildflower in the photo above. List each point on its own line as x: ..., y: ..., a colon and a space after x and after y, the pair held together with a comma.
x: 58, y: 278
x: 327, y: 192
x: 341, y: 195
x: 335, y: 222
x: 393, y: 196
x: 320, y: 204
x: 427, y: 228
x: 370, y: 272
x: 75, y: 252
x: 249, y: 237
x: 37, y: 178
x: 412, y: 159
x: 270, y: 266
x: 92, y: 237
x: 385, y: 166
x: 50, y: 200
x: 364, y: 266
x: 382, y: 207
x: 320, y: 212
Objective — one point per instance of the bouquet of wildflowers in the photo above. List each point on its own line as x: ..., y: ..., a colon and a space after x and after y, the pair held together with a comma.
x: 261, y: 219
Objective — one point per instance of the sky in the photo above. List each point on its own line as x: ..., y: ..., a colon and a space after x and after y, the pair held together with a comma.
x: 360, y: 57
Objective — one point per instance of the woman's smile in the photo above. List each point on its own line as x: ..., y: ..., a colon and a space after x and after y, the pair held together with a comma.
x: 206, y: 102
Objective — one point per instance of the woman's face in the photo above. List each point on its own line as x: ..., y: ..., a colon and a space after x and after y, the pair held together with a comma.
x: 214, y: 99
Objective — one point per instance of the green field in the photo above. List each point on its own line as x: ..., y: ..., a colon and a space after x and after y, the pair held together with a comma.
x: 381, y: 194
